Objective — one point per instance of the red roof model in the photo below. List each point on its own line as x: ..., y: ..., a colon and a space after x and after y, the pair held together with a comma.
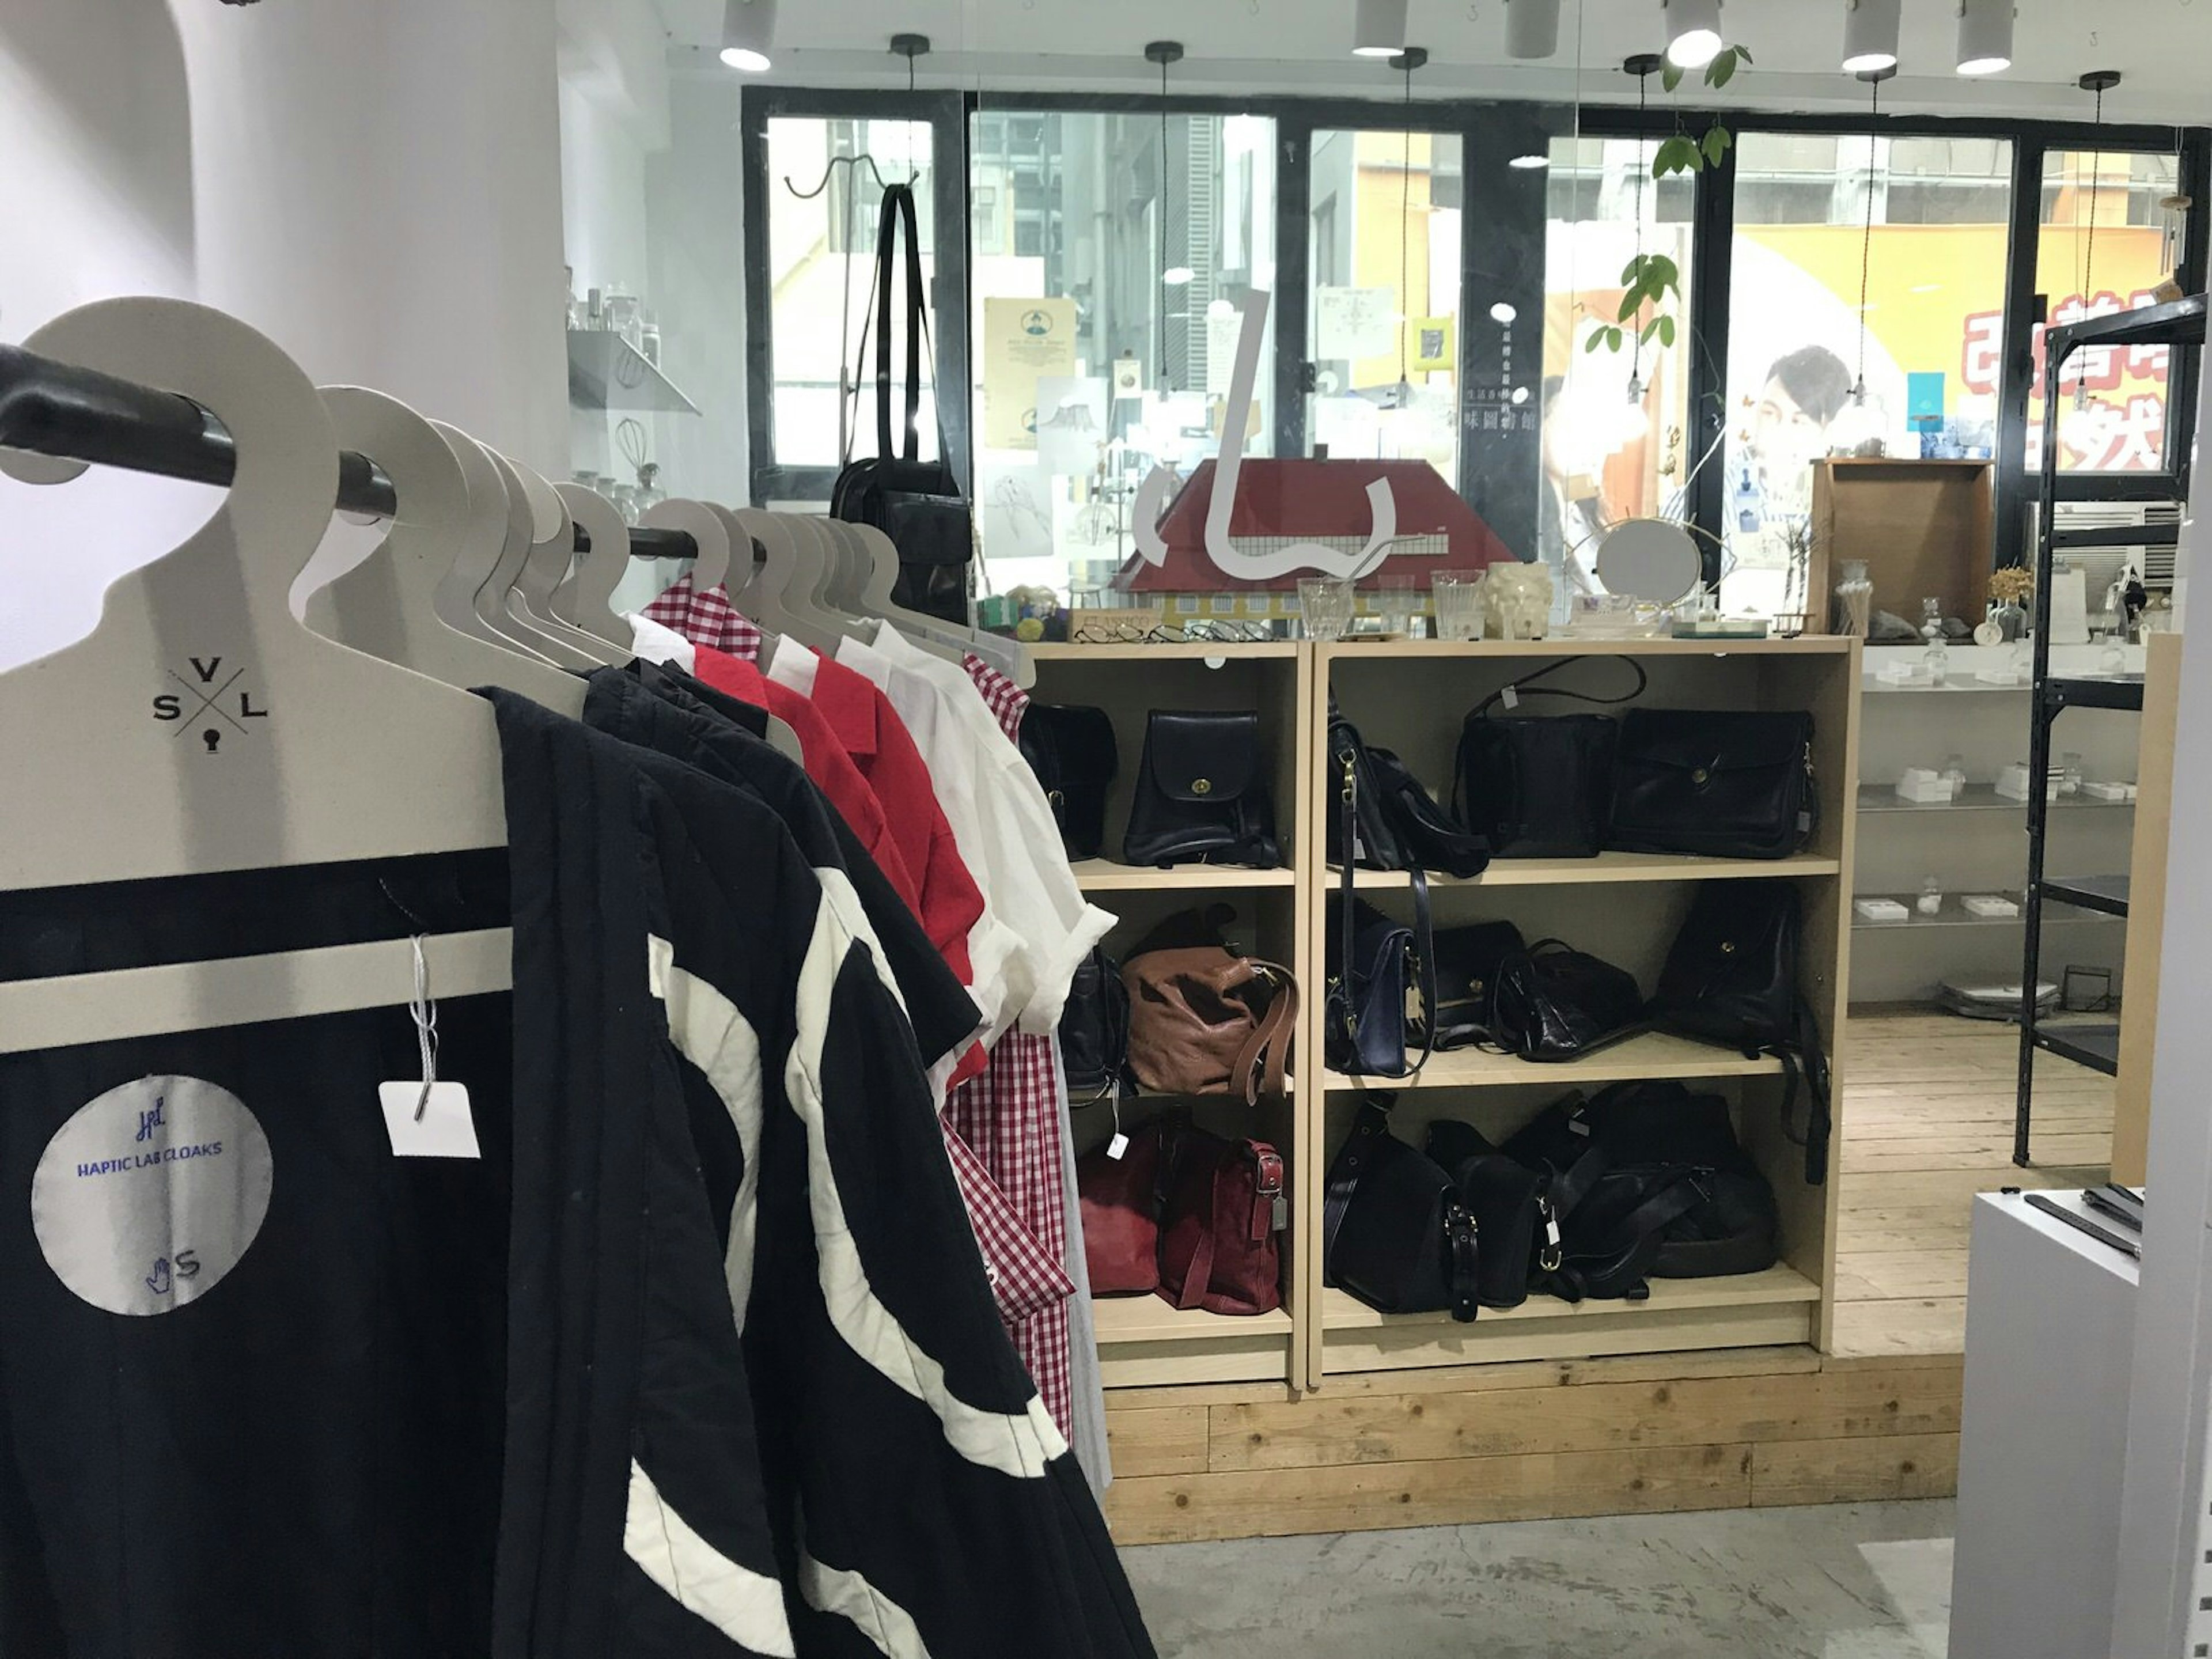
x: 1281, y: 502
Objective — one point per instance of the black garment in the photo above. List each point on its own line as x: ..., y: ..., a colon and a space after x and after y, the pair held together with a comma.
x: 687, y: 721
x: 911, y: 1482
x: 304, y: 1463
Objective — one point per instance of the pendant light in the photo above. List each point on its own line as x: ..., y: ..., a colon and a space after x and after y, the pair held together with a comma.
x: 1693, y: 32
x: 1405, y: 63
x: 1872, y: 78
x: 1378, y: 28
x: 2099, y: 81
x: 1532, y: 28
x: 747, y: 32
x: 1644, y: 66
x: 1984, y: 36
x: 1870, y: 31
x: 1164, y: 52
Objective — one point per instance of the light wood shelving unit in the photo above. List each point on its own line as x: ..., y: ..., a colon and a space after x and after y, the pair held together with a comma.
x: 1412, y: 697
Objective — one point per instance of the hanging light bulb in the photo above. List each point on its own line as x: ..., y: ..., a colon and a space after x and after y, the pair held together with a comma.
x: 1693, y: 32
x: 1984, y: 36
x: 1532, y: 28
x: 1164, y: 52
x: 747, y: 31
x: 1378, y: 28
x: 1870, y: 31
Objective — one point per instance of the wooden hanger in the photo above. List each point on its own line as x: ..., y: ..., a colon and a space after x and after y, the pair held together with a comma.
x: 202, y: 727
x: 781, y: 571
x: 738, y: 581
x: 494, y: 601
x: 551, y: 555
x: 491, y: 516
x: 585, y: 600
x: 386, y: 604
x: 880, y: 577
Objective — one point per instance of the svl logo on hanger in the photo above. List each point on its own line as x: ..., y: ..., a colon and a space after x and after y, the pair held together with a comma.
x: 212, y: 697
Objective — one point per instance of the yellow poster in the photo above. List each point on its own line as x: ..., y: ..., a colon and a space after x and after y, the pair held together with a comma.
x: 1023, y: 341
x: 1432, y: 343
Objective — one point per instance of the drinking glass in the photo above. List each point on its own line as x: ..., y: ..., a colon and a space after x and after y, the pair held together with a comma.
x: 1325, y: 602
x: 1398, y: 599
x: 1459, y: 599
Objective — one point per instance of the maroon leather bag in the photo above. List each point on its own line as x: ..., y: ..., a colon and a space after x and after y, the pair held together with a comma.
x: 1120, y: 1200
x: 1220, y: 1227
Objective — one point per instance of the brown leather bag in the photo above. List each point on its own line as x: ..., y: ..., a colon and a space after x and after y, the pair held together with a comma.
x: 1120, y: 1200
x: 1204, y: 1019
x: 1218, y: 1229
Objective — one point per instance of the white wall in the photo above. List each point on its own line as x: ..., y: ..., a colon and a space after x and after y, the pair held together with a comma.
x: 376, y: 186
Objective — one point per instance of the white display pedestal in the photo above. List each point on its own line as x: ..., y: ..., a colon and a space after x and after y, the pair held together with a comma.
x: 2042, y: 1456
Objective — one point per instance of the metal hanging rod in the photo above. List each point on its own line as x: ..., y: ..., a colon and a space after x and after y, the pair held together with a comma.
x: 73, y: 413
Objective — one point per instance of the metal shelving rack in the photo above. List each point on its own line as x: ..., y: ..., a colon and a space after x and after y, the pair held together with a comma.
x: 2179, y: 325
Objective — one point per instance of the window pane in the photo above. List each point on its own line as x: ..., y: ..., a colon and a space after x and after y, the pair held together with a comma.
x: 1934, y: 270
x: 2105, y: 245
x: 821, y: 254
x: 1616, y: 423
x: 1382, y: 328
x: 1071, y: 243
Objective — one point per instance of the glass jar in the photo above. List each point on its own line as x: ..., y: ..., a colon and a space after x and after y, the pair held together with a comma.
x: 1459, y: 601
x: 1326, y: 604
x: 1855, y: 601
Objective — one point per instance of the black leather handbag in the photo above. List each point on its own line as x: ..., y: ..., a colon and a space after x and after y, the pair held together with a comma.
x: 1731, y: 978
x: 1094, y: 1029
x: 1539, y: 786
x: 918, y: 504
x: 1394, y: 823
x: 1519, y: 1239
x: 1070, y: 748
x: 1201, y: 796
x: 1715, y: 783
x: 1552, y: 1003
x: 1467, y: 961
x: 1394, y: 1231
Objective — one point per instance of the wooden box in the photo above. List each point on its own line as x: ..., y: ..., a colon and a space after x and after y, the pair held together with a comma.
x: 1926, y: 529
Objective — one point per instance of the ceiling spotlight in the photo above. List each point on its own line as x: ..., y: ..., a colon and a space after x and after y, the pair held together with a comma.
x: 1532, y: 28
x: 1984, y: 36
x: 1378, y: 28
x: 1870, y: 28
x: 1530, y: 162
x: 1693, y: 32
x: 748, y: 30
x: 1178, y: 276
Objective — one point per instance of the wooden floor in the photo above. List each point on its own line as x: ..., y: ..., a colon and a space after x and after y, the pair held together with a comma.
x: 1928, y: 1117
x: 1928, y: 1123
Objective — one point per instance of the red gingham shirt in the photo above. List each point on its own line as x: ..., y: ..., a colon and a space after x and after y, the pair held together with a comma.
x: 1014, y: 1116
x: 707, y: 618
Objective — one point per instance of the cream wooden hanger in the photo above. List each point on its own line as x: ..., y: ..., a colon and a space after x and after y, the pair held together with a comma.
x: 585, y: 599
x: 879, y: 558
x: 202, y: 727
x: 494, y: 600
x: 491, y: 516
x: 743, y: 594
x: 386, y: 604
x: 780, y: 573
x: 545, y: 567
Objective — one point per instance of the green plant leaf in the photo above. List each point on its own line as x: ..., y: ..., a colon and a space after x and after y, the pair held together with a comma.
x: 1671, y: 76
x: 1596, y: 340
x: 1614, y: 339
x: 1676, y: 156
x: 1646, y: 333
x: 1722, y: 69
x: 1633, y: 271
x: 1631, y: 303
x: 1666, y: 330
x: 1744, y: 53
x: 1716, y: 146
x: 1664, y: 272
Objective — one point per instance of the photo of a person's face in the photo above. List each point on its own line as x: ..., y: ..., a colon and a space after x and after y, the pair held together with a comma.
x: 1787, y: 438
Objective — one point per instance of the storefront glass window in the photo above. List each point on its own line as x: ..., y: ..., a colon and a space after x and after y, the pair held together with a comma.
x: 1090, y: 369
x: 1933, y: 270
x: 2106, y: 244
x: 1617, y: 436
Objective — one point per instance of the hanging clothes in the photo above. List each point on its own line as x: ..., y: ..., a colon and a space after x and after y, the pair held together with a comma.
x: 707, y: 618
x: 733, y: 1118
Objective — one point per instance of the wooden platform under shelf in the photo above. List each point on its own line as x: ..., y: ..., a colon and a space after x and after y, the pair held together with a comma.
x: 1104, y: 876
x: 1143, y: 1341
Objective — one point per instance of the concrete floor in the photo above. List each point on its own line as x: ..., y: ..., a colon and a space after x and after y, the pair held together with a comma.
x: 1869, y: 1580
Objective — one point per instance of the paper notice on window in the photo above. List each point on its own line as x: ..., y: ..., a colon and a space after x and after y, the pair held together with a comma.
x: 1024, y: 342
x: 1355, y: 322
x: 1222, y: 334
x: 1432, y: 343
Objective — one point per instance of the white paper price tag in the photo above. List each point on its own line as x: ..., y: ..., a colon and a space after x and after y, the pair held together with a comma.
x: 1510, y: 698
x: 1118, y: 1147
x: 446, y: 1129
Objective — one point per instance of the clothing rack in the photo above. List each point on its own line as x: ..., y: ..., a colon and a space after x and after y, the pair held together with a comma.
x: 56, y: 409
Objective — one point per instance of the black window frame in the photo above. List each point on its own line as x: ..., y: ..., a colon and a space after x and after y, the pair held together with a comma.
x: 1503, y: 244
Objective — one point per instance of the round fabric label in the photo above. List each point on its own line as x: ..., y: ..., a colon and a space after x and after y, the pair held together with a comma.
x: 148, y: 1195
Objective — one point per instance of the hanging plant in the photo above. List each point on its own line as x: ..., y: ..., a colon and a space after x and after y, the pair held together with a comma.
x: 1649, y: 278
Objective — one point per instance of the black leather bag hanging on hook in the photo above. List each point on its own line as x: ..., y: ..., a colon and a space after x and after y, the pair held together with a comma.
x: 918, y: 504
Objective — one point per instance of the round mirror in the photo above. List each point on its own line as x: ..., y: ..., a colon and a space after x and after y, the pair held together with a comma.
x: 1654, y: 559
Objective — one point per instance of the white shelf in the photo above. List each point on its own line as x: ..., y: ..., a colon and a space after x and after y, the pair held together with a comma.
x: 1104, y: 876
x: 606, y: 371
x: 2055, y: 914
x: 1126, y: 1320
x: 1609, y: 867
x: 1977, y: 797
x: 1777, y: 1286
x: 1651, y: 1055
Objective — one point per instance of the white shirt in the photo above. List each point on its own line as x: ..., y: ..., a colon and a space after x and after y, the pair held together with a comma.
x: 662, y: 645
x: 1005, y: 829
